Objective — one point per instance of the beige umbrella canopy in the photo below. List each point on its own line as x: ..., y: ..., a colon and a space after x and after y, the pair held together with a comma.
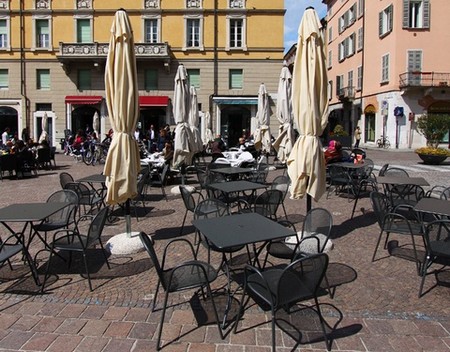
x: 44, y: 125
x: 183, y: 148
x: 208, y: 136
x: 306, y: 163
x: 96, y: 124
x: 286, y: 137
x: 262, y: 133
x: 194, y: 121
x: 123, y: 161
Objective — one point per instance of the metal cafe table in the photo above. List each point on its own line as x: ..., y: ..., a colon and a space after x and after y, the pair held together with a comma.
x: 439, y: 207
x: 230, y: 187
x: 231, y: 171
x: 402, y: 180
x: 96, y: 178
x: 29, y: 213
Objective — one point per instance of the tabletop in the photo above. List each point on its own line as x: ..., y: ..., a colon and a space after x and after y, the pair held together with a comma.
x: 241, y: 229
x: 232, y: 170
x: 433, y: 206
x: 96, y: 178
x: 236, y: 186
x: 348, y: 165
x: 25, y: 212
x: 402, y: 180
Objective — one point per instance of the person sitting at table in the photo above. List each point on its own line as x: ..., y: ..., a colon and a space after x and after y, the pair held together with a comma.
x: 162, y: 139
x: 78, y: 140
x: 241, y: 145
x: 217, y: 147
x: 167, y: 152
x: 333, y: 153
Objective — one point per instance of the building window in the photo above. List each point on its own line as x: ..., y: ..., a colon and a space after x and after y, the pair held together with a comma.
x: 84, y: 79
x: 235, y: 79
x: 330, y: 34
x: 194, y: 33
x: 236, y: 29
x: 414, y: 67
x: 330, y: 58
x: 4, y: 42
x: 416, y: 13
x: 341, y: 51
x: 151, y: 30
x: 360, y: 8
x: 330, y: 90
x: 84, y: 32
x: 385, y: 68
x: 4, y: 79
x: 360, y: 38
x: 42, y: 33
x: 350, y: 80
x: 351, y: 44
x: 339, y: 85
x: 359, y: 79
x: 44, y: 107
x: 385, y: 21
x: 43, y: 79
x: 194, y: 77
x: 151, y: 79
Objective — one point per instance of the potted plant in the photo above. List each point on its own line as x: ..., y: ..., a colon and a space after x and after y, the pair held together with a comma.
x: 341, y: 135
x: 433, y: 127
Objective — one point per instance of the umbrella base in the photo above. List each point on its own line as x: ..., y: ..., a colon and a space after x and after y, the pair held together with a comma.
x: 122, y: 244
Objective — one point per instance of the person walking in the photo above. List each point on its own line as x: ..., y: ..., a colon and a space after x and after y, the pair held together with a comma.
x: 357, y: 136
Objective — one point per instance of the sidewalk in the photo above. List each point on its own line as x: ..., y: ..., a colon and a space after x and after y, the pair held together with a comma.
x: 378, y: 301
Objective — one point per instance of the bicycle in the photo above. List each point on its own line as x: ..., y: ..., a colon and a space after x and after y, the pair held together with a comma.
x: 383, y: 142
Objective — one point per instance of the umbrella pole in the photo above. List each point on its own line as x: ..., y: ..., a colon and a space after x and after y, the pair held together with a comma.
x: 308, y: 202
x: 128, y: 218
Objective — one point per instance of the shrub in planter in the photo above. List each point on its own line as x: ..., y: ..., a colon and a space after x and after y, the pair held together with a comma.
x: 433, y: 127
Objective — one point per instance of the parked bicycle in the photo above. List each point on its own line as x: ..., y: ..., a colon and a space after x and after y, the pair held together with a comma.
x: 383, y: 142
x: 96, y: 153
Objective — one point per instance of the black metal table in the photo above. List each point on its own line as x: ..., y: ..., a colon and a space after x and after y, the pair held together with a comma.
x: 231, y: 171
x: 230, y: 188
x: 440, y: 207
x: 403, y: 180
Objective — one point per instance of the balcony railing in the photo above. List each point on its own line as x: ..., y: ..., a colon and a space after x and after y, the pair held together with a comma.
x: 346, y: 93
x: 424, y: 79
x: 100, y: 50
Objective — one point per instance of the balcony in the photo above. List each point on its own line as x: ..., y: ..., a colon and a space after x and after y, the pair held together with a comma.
x: 424, y: 79
x: 71, y: 53
x: 346, y: 93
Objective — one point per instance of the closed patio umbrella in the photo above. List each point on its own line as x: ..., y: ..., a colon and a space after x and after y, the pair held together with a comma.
x: 123, y: 161
x: 262, y: 133
x: 194, y: 121
x: 44, y: 125
x: 183, y: 146
x: 286, y: 137
x: 208, y: 136
x: 306, y: 163
x: 96, y: 124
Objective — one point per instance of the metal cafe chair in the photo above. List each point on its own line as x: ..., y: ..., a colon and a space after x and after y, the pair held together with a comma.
x: 193, y: 274
x: 274, y: 288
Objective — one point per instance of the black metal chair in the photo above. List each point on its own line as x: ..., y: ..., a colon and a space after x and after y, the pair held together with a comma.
x: 193, y: 274
x: 190, y: 203
x: 437, y: 243
x: 65, y: 178
x: 391, y: 222
x: 340, y: 180
x: 140, y: 196
x: 267, y: 203
x: 88, y: 198
x: 73, y: 241
x: 12, y: 246
x: 44, y: 159
x: 277, y: 288
x: 158, y: 178
x: 282, y: 184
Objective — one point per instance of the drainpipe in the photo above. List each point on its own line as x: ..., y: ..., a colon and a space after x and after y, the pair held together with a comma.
x: 23, y: 86
x: 215, y: 62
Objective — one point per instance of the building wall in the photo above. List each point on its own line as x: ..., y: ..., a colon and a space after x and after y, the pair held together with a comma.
x: 264, y: 38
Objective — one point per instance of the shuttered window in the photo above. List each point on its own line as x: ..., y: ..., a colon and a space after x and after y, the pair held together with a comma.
x: 359, y: 78
x: 194, y: 77
x: 84, y: 79
x: 84, y: 31
x: 235, y: 79
x: 360, y: 38
x: 414, y: 66
x: 4, y: 84
x: 385, y: 18
x: 43, y: 79
x: 360, y: 8
x: 151, y: 79
x: 3, y: 34
x: 416, y: 13
x: 385, y: 68
x: 42, y: 34
x: 350, y: 79
x: 330, y: 58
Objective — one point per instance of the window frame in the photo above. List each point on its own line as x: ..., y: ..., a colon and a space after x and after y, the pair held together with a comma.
x: 230, y: 78
x: 243, y: 20
x: 36, y: 19
x: 385, y: 21
x: 194, y: 72
x: 7, y: 34
x: 359, y: 78
x: 151, y: 83
x: 424, y: 16
x: 385, y: 69
x: 360, y: 44
x: 78, y: 35
x: 156, y: 18
x: 187, y: 20
x: 39, y: 79
x: 5, y: 73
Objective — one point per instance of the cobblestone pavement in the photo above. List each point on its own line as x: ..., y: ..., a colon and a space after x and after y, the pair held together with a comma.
x: 375, y: 307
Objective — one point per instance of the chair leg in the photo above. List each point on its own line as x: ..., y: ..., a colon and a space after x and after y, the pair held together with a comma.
x: 32, y: 266
x: 158, y: 343
x: 87, y: 270
x: 104, y: 254
x: 184, y: 219
x: 155, y: 296
x: 322, y: 323
x: 424, y: 273
x: 376, y: 247
x: 274, y: 344
x: 47, y: 270
x: 216, y: 314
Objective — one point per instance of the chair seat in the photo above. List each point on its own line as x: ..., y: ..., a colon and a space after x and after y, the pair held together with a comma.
x: 189, y: 276
x: 71, y: 243
x: 280, y: 249
x: 441, y: 248
x: 51, y: 226
x: 403, y: 228
x: 9, y: 250
x: 310, y: 246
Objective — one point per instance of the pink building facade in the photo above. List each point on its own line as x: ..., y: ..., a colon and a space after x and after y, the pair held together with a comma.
x: 388, y: 64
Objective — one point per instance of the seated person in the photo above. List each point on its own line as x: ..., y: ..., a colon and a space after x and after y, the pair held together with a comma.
x: 241, y: 145
x: 167, y: 152
x: 333, y: 153
x: 217, y: 147
x: 79, y: 140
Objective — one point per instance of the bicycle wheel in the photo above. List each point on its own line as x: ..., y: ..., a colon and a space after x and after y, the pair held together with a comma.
x: 387, y: 144
x: 87, y: 157
x: 96, y: 157
x: 379, y: 143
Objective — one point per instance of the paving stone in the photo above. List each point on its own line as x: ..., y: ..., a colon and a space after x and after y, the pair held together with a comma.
x: 39, y: 342
x: 118, y: 329
x: 48, y: 324
x: 65, y: 343
x: 94, y: 328
x: 90, y: 344
x: 15, y: 340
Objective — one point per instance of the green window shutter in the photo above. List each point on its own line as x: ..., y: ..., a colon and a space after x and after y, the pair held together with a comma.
x: 3, y: 34
x: 43, y: 79
x: 235, y: 79
x: 83, y: 31
x: 194, y: 77
x: 151, y: 79
x: 380, y: 23
x: 3, y: 78
x: 405, y: 13
x: 42, y: 27
x: 391, y: 18
x: 84, y: 79
x: 426, y: 13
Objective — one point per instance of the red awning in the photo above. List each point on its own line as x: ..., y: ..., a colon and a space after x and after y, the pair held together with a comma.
x: 153, y: 100
x: 83, y: 99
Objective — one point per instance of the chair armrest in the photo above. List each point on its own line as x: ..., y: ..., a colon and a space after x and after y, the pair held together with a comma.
x: 176, y: 241
x: 299, y: 252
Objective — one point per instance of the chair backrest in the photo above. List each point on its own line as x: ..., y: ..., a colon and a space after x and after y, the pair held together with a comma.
x: 405, y: 194
x: 148, y: 244
x: 202, y: 176
x: 338, y: 173
x: 380, y: 206
x: 318, y: 221
x: 97, y: 225
x: 64, y: 196
x: 210, y: 208
x: 188, y: 199
x: 396, y: 171
x: 437, y: 232
x: 267, y: 203
x: 446, y: 194
x: 84, y: 195
x: 383, y: 170
x: 301, y: 278
x: 65, y: 178
x: 141, y: 181
x: 43, y: 155
x: 281, y: 183
x: 164, y: 171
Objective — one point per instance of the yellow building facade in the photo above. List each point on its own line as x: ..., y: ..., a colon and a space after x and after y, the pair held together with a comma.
x: 53, y: 55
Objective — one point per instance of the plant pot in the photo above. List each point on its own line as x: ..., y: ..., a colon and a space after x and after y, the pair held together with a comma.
x: 432, y: 159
